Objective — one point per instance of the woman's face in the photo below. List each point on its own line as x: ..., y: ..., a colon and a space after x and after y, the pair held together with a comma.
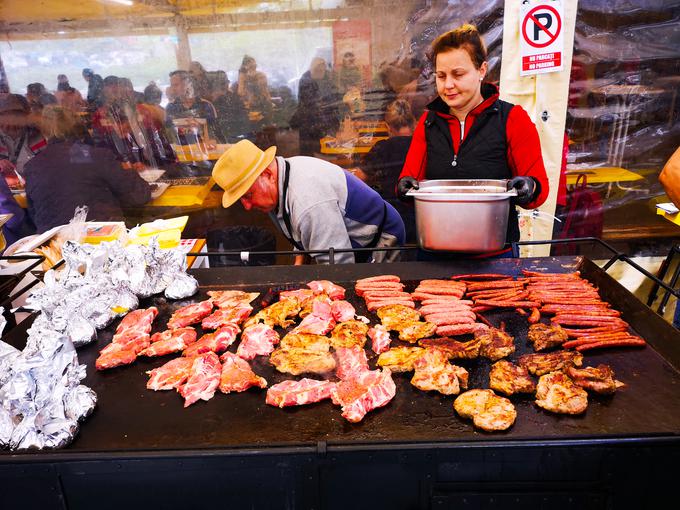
x: 458, y: 81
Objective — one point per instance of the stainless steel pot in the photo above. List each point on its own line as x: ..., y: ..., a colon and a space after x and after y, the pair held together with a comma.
x: 468, y: 216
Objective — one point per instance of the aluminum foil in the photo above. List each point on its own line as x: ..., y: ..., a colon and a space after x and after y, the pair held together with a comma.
x: 42, y: 399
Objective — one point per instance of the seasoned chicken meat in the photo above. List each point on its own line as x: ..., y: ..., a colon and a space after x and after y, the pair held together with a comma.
x: 393, y: 317
x: 599, y: 379
x: 488, y: 411
x: 300, y: 360
x: 400, y: 359
x: 412, y: 331
x: 435, y: 373
x: 453, y: 348
x: 541, y: 364
x: 545, y: 336
x: 508, y: 378
x: 276, y: 314
x: 558, y: 394
x: 349, y: 333
x: 495, y: 344
x: 307, y: 340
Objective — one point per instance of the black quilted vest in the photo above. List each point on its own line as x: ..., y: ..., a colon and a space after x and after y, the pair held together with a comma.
x: 482, y: 155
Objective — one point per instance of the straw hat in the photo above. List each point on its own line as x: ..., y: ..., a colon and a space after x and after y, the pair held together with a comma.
x: 239, y: 167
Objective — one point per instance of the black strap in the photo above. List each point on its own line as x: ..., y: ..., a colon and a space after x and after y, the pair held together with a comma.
x: 286, y: 214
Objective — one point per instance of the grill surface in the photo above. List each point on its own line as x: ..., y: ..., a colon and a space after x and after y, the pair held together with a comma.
x: 130, y: 418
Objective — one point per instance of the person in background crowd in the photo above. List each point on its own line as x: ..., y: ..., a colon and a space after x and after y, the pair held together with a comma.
x: 469, y: 133
x: 317, y: 113
x: 129, y: 129
x: 188, y: 106
x: 129, y: 93
x: 152, y: 102
x: 95, y: 89
x: 316, y: 204
x: 253, y: 90
x: 383, y: 163
x: 349, y: 74
x: 38, y: 97
x: 670, y: 180
x: 20, y: 140
x: 285, y: 106
x: 232, y: 119
x: 200, y: 80
x: 70, y: 172
x: 66, y: 95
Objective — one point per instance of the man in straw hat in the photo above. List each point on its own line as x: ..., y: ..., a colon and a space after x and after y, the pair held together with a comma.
x: 317, y: 205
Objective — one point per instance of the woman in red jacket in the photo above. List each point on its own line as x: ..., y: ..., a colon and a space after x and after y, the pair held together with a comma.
x: 469, y: 133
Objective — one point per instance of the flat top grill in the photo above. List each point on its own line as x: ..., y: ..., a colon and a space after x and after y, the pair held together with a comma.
x: 130, y: 418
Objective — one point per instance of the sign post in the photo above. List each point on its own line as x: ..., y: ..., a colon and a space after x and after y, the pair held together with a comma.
x: 541, y: 39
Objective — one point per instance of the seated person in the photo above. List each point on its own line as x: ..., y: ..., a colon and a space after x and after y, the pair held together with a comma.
x: 70, y: 172
x: 383, y: 164
x: 232, y: 118
x: 187, y: 105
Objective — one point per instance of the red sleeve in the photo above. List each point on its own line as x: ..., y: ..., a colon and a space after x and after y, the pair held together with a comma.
x: 416, y: 158
x: 524, y: 152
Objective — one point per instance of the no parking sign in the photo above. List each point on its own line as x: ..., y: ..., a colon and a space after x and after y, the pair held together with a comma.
x: 541, y: 40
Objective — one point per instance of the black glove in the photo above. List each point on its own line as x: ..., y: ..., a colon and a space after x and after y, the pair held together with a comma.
x: 525, y: 186
x: 404, y: 185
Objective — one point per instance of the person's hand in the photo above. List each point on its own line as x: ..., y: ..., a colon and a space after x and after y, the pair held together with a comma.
x: 404, y: 185
x: 525, y: 186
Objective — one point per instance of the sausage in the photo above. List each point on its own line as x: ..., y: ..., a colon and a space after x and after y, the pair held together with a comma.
x: 482, y: 276
x: 495, y: 285
x: 385, y: 293
x: 535, y: 316
x: 429, y: 309
x: 438, y: 300
x: 591, y: 322
x: 443, y: 283
x: 450, y: 320
x: 630, y: 342
x: 538, y: 274
x: 380, y: 278
x: 521, y: 311
x: 436, y: 316
x: 421, y: 296
x: 574, y: 316
x: 508, y: 304
x: 578, y: 333
x: 439, y: 291
x: 459, y: 329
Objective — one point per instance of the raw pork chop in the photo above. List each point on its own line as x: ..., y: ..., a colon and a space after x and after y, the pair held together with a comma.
x: 170, y: 375
x: 229, y: 298
x: 219, y: 341
x: 380, y: 337
x: 319, y: 322
x: 204, y: 378
x: 359, y: 395
x: 236, y: 314
x: 327, y: 287
x: 297, y: 393
x: 191, y: 314
x: 167, y: 342
x: 342, y: 311
x: 351, y: 361
x: 138, y: 319
x: 237, y: 375
x: 257, y: 340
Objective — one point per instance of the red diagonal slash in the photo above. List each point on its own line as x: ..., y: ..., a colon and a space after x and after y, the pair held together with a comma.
x: 542, y: 27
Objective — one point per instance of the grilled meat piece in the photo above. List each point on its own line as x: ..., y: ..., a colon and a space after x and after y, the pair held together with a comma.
x: 380, y: 337
x: 412, y: 331
x: 496, y: 344
x: 276, y: 314
x: 342, y: 311
x: 140, y: 320
x: 347, y: 334
x: 541, y: 364
x: 435, y: 373
x: 327, y: 287
x: 394, y: 316
x: 400, y: 359
x: 217, y: 342
x: 297, y: 393
x: 308, y: 305
x: 237, y: 375
x: 363, y: 393
x: 230, y: 298
x: 169, y: 341
x: 306, y: 340
x: 319, y: 322
x: 236, y: 314
x: 599, y: 379
x: 544, y: 336
x: 300, y: 360
x: 488, y: 411
x: 558, y: 394
x: 507, y: 378
x: 453, y: 348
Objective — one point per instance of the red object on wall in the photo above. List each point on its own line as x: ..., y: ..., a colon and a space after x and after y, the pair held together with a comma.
x: 353, y: 36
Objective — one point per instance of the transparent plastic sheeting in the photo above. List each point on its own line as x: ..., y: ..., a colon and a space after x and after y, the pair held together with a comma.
x: 42, y: 402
